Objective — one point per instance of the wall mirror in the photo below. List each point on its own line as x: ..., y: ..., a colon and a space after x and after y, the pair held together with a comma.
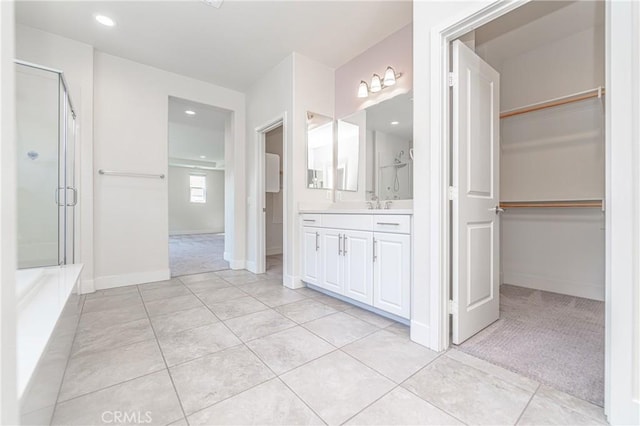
x: 390, y: 142
x: 351, y: 131
x: 319, y: 151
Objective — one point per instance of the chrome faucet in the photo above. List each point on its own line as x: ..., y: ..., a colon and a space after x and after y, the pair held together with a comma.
x: 387, y: 204
x: 375, y: 198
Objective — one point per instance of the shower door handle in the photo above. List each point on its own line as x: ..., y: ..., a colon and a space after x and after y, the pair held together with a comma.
x: 75, y: 196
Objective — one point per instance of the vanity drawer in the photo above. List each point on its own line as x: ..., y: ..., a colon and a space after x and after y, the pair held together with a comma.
x: 357, y: 222
x: 311, y: 219
x: 400, y: 224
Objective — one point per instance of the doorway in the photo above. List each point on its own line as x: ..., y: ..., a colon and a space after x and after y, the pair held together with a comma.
x: 271, y: 183
x: 196, y: 181
x: 527, y: 186
x: 274, y: 202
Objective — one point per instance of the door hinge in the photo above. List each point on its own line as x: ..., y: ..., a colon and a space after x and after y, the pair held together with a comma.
x: 452, y: 308
x: 450, y: 79
x: 452, y: 193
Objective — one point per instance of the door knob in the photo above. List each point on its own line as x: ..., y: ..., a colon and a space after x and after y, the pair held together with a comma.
x: 497, y: 209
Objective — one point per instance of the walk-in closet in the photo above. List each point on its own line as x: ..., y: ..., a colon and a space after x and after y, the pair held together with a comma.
x: 550, y: 57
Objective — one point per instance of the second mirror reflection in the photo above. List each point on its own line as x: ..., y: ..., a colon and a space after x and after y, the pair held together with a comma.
x: 319, y: 151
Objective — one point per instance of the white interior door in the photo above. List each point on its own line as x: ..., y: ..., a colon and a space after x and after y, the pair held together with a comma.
x: 475, y: 230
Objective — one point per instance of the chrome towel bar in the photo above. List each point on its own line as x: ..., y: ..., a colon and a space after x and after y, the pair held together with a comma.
x: 130, y: 174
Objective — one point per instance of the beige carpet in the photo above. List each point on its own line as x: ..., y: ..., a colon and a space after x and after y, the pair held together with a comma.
x: 194, y: 254
x: 552, y: 338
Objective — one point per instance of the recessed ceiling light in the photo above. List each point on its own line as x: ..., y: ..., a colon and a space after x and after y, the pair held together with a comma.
x: 189, y: 112
x: 105, y: 20
x: 203, y: 156
x: 395, y: 123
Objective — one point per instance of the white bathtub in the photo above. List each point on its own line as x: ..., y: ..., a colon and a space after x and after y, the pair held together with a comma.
x: 42, y: 294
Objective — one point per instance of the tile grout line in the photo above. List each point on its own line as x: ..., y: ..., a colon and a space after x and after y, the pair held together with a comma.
x: 276, y: 376
x: 440, y: 355
x: 397, y: 385
x: 491, y: 374
x: 175, y: 390
x: 527, y: 405
x: 110, y: 386
x: 242, y: 343
x: 66, y: 365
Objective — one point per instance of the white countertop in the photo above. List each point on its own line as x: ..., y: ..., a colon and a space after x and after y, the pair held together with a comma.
x: 358, y: 211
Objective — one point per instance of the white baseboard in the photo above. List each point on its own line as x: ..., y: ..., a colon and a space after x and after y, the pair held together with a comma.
x: 199, y: 231
x: 252, y: 266
x: 274, y: 250
x: 112, y: 281
x: 86, y: 286
x: 292, y: 282
x: 421, y: 334
x: 237, y: 264
x: 572, y: 288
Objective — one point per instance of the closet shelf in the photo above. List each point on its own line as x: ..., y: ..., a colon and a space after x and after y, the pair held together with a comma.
x: 551, y: 204
x: 597, y: 92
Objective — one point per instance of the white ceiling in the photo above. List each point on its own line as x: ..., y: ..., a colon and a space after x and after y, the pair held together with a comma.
x: 535, y: 24
x: 193, y: 136
x: 231, y: 46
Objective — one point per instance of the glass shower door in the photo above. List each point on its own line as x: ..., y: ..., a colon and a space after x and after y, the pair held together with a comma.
x: 38, y: 145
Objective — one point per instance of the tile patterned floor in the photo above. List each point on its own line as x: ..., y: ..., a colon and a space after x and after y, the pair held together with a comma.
x: 235, y: 348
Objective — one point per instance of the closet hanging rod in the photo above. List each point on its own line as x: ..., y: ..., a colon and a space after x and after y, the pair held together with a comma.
x: 130, y: 174
x: 551, y: 204
x: 597, y: 92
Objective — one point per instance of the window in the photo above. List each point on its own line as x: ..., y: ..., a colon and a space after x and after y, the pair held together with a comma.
x: 198, y: 188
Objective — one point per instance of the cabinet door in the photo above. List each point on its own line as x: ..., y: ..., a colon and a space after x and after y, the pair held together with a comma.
x: 358, y: 265
x: 331, y: 252
x: 392, y: 273
x: 311, y: 255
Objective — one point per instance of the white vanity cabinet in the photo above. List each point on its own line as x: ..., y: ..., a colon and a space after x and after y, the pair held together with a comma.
x: 391, y: 273
x: 357, y: 255
x: 347, y: 258
x: 331, y: 266
x: 365, y: 258
x: 311, y: 255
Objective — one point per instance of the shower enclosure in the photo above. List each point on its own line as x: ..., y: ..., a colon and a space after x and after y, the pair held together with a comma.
x: 47, y: 195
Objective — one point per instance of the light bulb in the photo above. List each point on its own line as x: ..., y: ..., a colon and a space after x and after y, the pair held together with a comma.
x: 376, y: 85
x: 363, y: 89
x: 389, y: 77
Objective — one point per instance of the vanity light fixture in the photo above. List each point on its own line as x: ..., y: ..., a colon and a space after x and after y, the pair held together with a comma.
x: 203, y: 156
x: 189, y: 112
x: 395, y: 123
x: 377, y: 83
